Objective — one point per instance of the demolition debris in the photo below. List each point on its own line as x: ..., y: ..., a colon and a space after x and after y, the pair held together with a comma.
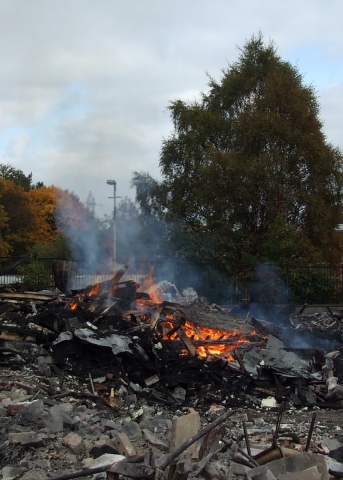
x: 151, y: 384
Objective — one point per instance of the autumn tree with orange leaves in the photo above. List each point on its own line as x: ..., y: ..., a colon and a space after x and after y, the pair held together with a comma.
x: 51, y: 221
x: 46, y: 219
x: 19, y: 222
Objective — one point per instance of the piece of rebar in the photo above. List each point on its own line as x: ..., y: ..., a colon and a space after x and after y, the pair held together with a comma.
x: 281, y: 451
x: 302, y: 309
x: 193, y: 439
x: 310, y: 432
x: 278, y: 423
x: 246, y: 437
x: 248, y: 457
x: 92, y: 384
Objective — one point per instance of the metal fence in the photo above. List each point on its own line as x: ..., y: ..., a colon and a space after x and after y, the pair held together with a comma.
x: 315, y: 284
x: 35, y: 272
x: 38, y: 273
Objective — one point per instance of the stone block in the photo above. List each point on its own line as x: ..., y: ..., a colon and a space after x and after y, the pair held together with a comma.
x: 111, y: 425
x: 123, y: 445
x: 58, y: 417
x: 42, y: 359
x: 154, y: 440
x: 113, y: 433
x: 31, y: 413
x: 64, y: 410
x: 99, y: 450
x: 13, y: 408
x: 183, y: 428
x: 53, y: 421
x: 20, y: 436
x: 74, y: 442
x: 33, y: 441
x: 18, y: 394
x: 132, y: 430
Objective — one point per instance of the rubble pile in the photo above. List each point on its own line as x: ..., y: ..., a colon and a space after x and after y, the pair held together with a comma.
x: 105, y: 382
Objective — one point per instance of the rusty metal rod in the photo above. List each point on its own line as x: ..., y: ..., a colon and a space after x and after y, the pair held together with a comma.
x: 314, y: 415
x: 278, y: 423
x: 246, y: 437
x: 248, y: 457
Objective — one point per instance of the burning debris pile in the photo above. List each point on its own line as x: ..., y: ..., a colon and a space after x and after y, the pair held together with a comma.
x: 119, y: 364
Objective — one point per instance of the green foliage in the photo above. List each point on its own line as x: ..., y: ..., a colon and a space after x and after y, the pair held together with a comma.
x: 58, y: 248
x: 35, y: 276
x: 313, y: 286
x: 250, y: 156
x: 147, y: 193
x: 284, y: 243
x: 7, y: 172
x: 37, y: 185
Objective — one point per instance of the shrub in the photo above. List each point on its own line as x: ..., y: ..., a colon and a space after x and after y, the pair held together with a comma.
x: 312, y: 285
x: 35, y: 276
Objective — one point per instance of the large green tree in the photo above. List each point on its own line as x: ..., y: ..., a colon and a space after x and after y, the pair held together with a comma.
x: 249, y: 168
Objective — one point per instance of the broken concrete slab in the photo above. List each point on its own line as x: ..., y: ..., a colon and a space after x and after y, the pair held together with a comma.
x: 20, y: 436
x: 31, y: 412
x: 277, y: 358
x: 183, y: 428
x: 292, y: 464
x: 132, y: 430
x: 74, y: 442
x: 103, y: 460
x: 34, y: 441
x: 155, y: 441
x: 123, y: 445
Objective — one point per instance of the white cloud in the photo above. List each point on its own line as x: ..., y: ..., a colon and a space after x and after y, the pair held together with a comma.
x: 84, y: 85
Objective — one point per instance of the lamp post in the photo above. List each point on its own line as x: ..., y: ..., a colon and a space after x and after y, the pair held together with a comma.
x: 114, y: 261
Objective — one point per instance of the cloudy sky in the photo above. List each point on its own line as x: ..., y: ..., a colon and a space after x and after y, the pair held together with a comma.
x: 84, y: 84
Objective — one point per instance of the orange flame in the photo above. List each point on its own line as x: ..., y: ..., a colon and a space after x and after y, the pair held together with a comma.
x: 207, y: 334
x: 73, y: 305
x: 147, y: 287
x: 94, y: 290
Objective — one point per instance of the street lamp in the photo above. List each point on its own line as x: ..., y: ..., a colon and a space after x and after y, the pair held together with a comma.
x: 114, y: 262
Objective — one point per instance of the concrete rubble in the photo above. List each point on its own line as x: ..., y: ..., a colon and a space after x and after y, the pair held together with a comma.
x: 101, y: 387
x: 47, y: 438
